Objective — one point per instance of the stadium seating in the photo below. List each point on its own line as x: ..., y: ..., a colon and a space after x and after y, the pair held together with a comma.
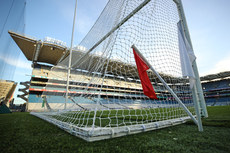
x: 217, y: 92
x: 7, y: 89
x: 44, y: 82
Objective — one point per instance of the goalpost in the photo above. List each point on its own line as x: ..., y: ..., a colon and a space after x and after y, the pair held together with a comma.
x: 107, y: 95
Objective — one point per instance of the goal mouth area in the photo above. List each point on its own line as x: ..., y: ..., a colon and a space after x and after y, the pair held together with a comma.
x: 134, y: 75
x: 91, y: 134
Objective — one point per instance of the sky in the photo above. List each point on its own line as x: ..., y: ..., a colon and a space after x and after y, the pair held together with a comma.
x: 208, y: 23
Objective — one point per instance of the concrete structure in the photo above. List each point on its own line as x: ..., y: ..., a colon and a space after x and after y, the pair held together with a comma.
x: 216, y: 88
x: 48, y: 87
x: 7, y: 89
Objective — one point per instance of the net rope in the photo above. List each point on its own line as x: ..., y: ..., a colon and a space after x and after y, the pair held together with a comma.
x: 105, y: 89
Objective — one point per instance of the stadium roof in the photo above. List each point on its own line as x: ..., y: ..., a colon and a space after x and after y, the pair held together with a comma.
x: 51, y: 53
x: 221, y: 75
x: 38, y: 51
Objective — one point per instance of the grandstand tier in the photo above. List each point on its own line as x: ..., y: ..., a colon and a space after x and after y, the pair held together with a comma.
x: 216, y: 88
x: 7, y: 89
x: 45, y: 82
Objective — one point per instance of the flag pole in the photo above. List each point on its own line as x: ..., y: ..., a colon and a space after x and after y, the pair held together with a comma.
x: 70, y: 56
x: 165, y: 84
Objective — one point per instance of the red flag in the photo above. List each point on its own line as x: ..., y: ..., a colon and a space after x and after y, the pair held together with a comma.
x: 142, y: 67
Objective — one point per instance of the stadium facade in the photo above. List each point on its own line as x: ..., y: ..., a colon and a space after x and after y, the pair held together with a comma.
x: 216, y: 88
x: 48, y: 81
x: 48, y: 84
x: 7, y: 89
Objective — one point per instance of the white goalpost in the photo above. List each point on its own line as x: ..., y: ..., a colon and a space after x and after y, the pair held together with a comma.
x: 135, y: 73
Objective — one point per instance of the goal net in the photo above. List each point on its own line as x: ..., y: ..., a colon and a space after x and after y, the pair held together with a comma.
x: 106, y: 95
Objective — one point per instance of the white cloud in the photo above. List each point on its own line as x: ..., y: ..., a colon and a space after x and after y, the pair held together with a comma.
x: 220, y: 66
x: 16, y: 62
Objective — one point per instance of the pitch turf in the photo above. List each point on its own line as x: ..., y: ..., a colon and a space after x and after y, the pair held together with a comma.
x: 22, y: 132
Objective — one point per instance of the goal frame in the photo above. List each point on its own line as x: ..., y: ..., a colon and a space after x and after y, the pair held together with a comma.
x: 197, y: 92
x: 96, y: 134
x: 100, y: 133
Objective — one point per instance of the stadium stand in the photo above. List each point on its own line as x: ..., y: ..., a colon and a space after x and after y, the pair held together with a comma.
x: 44, y: 82
x: 7, y: 89
x: 38, y: 88
x: 216, y: 88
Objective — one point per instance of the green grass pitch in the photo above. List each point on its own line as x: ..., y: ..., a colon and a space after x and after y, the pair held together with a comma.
x: 22, y: 132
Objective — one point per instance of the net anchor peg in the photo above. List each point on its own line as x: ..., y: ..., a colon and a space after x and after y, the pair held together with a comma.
x: 112, y: 133
x: 157, y: 125
x: 143, y: 127
x: 128, y: 130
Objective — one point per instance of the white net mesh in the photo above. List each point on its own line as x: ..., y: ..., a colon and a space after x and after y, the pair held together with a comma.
x: 105, y: 91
